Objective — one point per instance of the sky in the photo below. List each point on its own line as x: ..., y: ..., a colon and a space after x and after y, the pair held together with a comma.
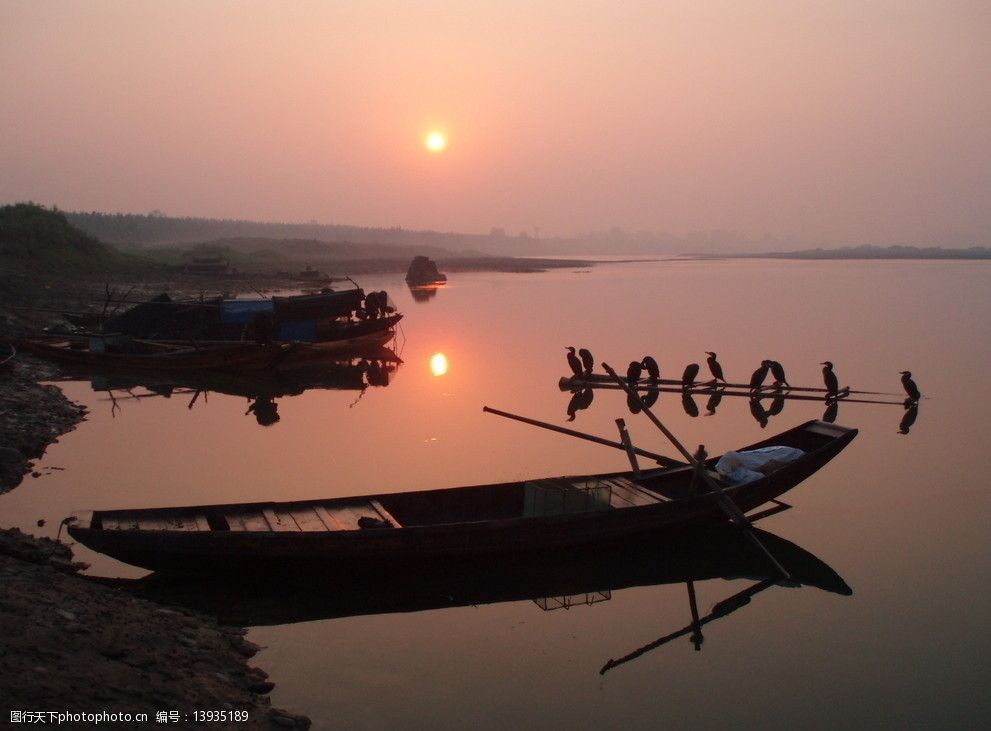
x: 843, y: 122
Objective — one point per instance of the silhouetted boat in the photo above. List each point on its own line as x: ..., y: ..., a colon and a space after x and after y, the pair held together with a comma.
x: 127, y: 354
x: 526, y: 515
x: 550, y: 578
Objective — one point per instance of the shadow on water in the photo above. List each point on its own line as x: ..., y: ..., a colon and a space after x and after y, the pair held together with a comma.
x: 262, y: 389
x: 551, y: 579
x: 424, y: 292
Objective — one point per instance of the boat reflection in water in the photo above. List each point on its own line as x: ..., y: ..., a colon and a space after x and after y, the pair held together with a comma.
x: 424, y: 292
x: 551, y: 579
x: 262, y: 389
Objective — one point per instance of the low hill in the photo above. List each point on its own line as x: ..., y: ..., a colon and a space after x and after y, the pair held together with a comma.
x: 35, y: 237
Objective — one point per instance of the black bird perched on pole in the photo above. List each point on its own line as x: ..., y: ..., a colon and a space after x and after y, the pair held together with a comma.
x: 688, y: 377
x: 653, y: 371
x: 714, y: 367
x: 757, y: 379
x: 587, y: 360
x: 573, y: 362
x: 633, y: 372
x: 829, y: 378
x: 909, y: 385
x: 778, y: 371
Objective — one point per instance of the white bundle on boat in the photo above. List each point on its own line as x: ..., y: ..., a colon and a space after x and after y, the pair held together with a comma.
x: 741, y: 467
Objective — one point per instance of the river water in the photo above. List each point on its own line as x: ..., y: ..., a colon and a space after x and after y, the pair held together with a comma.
x: 902, y: 518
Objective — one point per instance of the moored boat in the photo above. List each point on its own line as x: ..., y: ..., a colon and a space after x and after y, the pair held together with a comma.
x: 520, y: 516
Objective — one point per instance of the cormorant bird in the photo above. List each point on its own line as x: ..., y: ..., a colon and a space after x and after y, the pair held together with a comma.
x: 829, y: 378
x: 633, y: 372
x: 573, y: 362
x: 778, y: 371
x: 909, y: 385
x: 688, y: 377
x: 714, y: 367
x: 757, y: 379
x: 633, y: 403
x: 653, y: 370
x: 587, y: 360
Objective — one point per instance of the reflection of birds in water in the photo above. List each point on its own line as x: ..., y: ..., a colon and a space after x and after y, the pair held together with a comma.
x: 909, y: 385
x: 713, y: 402
x: 832, y: 408
x: 653, y: 370
x: 778, y: 371
x: 587, y: 360
x: 581, y: 400
x: 265, y: 409
x: 757, y: 379
x: 633, y: 371
x: 573, y: 362
x: 829, y: 378
x: 688, y: 377
x: 714, y: 368
x: 650, y: 398
x: 633, y: 403
x: 689, y: 405
x: 757, y: 411
x: 777, y: 406
x: 911, y: 413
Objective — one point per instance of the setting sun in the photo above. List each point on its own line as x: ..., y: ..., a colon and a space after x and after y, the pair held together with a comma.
x: 435, y: 142
x: 438, y: 364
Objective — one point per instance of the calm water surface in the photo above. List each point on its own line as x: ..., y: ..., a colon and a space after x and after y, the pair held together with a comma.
x: 902, y: 518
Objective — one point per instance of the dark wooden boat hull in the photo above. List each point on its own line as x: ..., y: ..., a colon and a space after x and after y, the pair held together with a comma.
x: 479, y: 520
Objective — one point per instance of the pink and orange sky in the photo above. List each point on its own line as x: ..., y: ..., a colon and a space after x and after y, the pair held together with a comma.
x: 841, y: 122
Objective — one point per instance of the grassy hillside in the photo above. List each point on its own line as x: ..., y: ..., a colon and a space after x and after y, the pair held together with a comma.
x: 33, y: 237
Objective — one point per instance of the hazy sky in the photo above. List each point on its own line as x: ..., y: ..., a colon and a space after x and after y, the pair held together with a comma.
x: 846, y: 122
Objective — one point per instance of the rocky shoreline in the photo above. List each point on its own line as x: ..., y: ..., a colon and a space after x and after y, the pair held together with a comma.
x: 72, y: 645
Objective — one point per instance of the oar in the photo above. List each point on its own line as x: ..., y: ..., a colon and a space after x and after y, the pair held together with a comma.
x: 659, y: 458
x: 727, y: 505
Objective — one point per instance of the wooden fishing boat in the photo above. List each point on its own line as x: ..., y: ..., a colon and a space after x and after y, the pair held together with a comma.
x: 126, y: 354
x: 526, y: 515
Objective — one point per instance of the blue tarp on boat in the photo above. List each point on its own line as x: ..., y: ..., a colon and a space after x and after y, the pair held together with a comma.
x: 301, y: 330
x: 242, y: 312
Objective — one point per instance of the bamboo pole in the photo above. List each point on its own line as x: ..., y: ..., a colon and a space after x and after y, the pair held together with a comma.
x: 765, y: 394
x: 596, y: 379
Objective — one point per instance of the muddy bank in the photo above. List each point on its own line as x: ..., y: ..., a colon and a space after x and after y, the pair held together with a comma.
x: 71, y: 645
